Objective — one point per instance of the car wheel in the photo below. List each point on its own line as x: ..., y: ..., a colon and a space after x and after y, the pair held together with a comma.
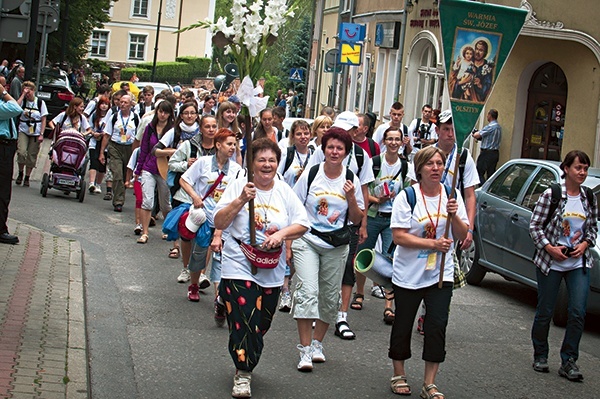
x: 470, y: 264
x: 562, y: 302
x: 44, y: 185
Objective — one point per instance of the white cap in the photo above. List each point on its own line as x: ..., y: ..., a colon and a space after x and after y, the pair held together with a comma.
x: 346, y: 120
x: 196, y: 217
x: 444, y: 116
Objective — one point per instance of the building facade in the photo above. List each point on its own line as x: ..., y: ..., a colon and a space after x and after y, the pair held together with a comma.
x: 130, y: 36
x: 547, y: 94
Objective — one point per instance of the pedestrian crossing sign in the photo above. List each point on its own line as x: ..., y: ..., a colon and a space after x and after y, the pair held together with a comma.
x: 296, y: 75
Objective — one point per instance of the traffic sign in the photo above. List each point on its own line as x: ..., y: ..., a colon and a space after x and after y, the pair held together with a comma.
x: 8, y: 5
x: 296, y: 75
x: 331, y: 61
x: 14, y: 28
x: 47, y: 15
x: 350, y: 53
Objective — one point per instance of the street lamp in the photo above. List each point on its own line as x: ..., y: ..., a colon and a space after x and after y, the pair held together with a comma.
x: 156, y: 43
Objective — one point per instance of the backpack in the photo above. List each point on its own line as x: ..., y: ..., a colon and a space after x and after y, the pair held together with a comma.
x: 412, y: 198
x: 557, y: 196
x: 136, y: 119
x: 377, y: 167
x: 290, y: 157
x: 177, y: 175
x: 462, y: 162
x: 39, y: 108
x: 419, y: 124
x: 359, y: 153
x: 372, y: 147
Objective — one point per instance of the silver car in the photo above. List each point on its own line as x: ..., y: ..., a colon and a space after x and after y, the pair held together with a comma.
x: 502, y: 243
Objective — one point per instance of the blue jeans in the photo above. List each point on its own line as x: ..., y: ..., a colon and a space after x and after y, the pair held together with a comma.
x: 578, y: 287
x: 375, y: 227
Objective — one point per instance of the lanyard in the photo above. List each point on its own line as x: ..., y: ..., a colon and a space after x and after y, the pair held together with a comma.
x: 437, y: 220
x: 448, y: 163
x: 302, y: 166
x: 125, y: 123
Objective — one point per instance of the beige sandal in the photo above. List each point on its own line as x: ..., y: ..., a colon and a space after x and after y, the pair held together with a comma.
x: 399, y: 385
x: 425, y: 394
x: 143, y: 239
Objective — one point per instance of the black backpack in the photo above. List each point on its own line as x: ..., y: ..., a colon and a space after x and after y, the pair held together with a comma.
x: 290, y: 157
x: 136, y: 119
x: 556, y: 197
x: 377, y: 167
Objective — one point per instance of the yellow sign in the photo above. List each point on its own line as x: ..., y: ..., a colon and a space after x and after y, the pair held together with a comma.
x: 350, y: 53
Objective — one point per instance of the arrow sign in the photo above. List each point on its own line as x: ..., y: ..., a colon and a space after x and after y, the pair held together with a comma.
x: 296, y: 75
x: 350, y: 53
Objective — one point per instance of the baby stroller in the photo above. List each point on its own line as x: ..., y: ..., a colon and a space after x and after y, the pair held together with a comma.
x: 67, y: 169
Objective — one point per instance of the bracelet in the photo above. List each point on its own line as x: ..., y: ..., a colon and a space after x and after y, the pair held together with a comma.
x: 470, y: 231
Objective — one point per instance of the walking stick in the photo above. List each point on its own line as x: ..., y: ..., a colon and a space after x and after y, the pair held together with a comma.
x: 249, y: 166
x: 449, y: 221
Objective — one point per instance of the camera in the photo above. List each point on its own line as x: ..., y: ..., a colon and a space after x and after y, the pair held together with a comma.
x: 567, y: 251
x: 423, y: 132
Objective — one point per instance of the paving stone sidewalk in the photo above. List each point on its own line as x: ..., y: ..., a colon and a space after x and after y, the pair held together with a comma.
x: 43, y: 351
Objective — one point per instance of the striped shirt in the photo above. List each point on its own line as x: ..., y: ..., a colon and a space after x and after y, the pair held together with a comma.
x: 490, y: 136
x: 550, y: 235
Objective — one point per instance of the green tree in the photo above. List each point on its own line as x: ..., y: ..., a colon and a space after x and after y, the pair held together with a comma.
x: 84, y: 16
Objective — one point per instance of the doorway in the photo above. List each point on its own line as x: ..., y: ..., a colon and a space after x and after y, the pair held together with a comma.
x: 546, y: 110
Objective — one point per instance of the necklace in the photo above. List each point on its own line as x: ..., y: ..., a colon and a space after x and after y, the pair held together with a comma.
x: 265, y: 205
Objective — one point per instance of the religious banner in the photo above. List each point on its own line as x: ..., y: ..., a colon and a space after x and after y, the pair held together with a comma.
x: 476, y: 38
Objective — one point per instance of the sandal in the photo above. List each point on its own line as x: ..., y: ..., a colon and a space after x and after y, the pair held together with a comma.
x: 356, y: 304
x: 342, y: 330
x: 143, y: 239
x: 399, y: 385
x: 174, y: 253
x: 425, y: 394
x: 388, y: 316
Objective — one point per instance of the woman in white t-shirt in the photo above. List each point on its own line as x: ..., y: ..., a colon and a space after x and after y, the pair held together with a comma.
x: 382, y: 192
x: 203, y: 179
x: 418, y: 233
x: 332, y: 199
x: 319, y: 126
x: 250, y: 299
x: 227, y: 118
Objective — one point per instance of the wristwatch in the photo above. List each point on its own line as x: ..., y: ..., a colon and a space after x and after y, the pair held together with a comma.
x: 4, y: 93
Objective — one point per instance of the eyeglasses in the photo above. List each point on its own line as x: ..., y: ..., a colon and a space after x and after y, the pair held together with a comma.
x: 398, y: 139
x: 189, y: 113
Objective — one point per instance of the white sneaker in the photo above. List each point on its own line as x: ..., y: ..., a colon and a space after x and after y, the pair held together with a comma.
x: 184, y: 276
x: 285, y: 304
x: 97, y: 190
x: 305, y: 363
x: 203, y: 282
x: 241, y: 384
x: 91, y: 188
x: 377, y: 292
x: 317, y: 351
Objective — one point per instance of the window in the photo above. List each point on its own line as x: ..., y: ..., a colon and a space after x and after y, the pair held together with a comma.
x: 509, y: 183
x: 431, y: 79
x: 137, y: 47
x: 140, y: 8
x: 540, y: 183
x: 98, y: 44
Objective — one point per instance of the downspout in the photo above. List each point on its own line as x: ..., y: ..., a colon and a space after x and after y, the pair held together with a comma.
x: 178, y: 28
x: 313, y: 76
x: 400, y: 57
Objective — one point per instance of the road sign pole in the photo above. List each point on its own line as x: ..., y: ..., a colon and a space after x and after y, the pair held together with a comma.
x: 42, y: 57
x: 30, y: 54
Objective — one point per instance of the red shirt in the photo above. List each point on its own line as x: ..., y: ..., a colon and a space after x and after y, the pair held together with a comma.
x: 365, y: 146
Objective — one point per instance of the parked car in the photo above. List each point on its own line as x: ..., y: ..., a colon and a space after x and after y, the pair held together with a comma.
x: 54, y: 88
x: 502, y: 243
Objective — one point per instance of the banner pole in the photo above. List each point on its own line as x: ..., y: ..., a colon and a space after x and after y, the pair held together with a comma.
x: 449, y: 221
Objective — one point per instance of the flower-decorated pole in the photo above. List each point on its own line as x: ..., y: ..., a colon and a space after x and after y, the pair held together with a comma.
x: 254, y: 27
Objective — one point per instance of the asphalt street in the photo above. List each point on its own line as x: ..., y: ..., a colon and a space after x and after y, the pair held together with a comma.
x: 147, y: 341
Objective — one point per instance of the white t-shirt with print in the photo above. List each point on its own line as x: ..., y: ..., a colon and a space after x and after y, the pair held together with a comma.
x: 470, y: 179
x: 274, y: 210
x: 298, y: 166
x: 202, y: 175
x: 127, y: 125
x: 366, y: 173
x: 33, y: 115
x: 326, y: 203
x: 572, y: 233
x: 386, y: 174
x: 409, y: 263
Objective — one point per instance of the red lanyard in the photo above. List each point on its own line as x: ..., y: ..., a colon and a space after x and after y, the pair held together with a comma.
x: 437, y: 220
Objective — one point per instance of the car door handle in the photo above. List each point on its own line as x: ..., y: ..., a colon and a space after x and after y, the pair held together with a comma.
x: 483, y: 205
x: 514, y: 217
